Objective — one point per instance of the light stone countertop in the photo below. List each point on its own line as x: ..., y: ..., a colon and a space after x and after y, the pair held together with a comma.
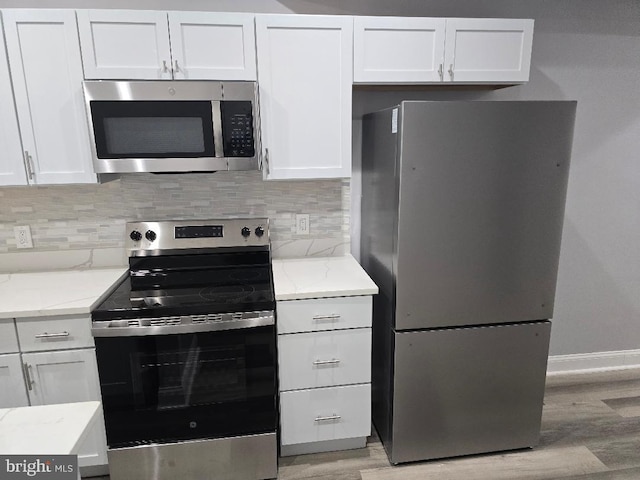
x: 46, y: 429
x: 300, y: 278
x: 67, y: 292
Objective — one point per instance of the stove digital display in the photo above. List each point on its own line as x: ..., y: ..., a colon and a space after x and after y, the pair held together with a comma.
x: 199, y: 231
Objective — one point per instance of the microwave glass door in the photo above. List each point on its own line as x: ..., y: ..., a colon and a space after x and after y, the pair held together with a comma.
x: 153, y: 129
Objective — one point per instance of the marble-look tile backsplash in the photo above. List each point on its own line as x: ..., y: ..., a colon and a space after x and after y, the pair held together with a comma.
x: 79, y: 217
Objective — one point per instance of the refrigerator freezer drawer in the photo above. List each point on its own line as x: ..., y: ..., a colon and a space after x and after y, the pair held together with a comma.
x: 468, y: 390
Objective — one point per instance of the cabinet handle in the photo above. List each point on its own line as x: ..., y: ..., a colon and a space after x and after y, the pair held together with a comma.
x: 165, y: 68
x: 326, y: 317
x: 177, y: 68
x: 27, y: 373
x: 330, y: 417
x: 451, y: 70
x: 333, y: 361
x: 441, y: 72
x: 28, y: 161
x: 52, y: 335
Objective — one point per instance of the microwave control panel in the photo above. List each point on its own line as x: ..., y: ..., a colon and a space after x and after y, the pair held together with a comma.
x: 237, y: 129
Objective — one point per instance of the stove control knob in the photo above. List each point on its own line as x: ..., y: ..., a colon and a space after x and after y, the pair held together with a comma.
x: 259, y: 231
x: 245, y: 232
x: 136, y: 236
x: 150, y: 235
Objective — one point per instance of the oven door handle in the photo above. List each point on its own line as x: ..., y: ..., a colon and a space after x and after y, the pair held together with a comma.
x: 146, y: 327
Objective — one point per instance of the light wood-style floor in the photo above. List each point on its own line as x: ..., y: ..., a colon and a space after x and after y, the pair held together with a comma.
x: 590, y: 431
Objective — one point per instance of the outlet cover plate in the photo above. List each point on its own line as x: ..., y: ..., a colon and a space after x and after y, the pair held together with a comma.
x: 302, y: 224
x: 23, y: 236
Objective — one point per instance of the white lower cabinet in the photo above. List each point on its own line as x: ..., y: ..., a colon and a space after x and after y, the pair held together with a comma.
x: 321, y: 414
x: 325, y: 358
x: 68, y: 376
x: 65, y: 372
x: 324, y: 367
x: 12, y: 386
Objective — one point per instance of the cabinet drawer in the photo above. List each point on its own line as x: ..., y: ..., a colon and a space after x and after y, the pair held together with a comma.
x: 319, y: 314
x: 325, y: 414
x: 8, y: 339
x: 324, y: 359
x: 54, y: 333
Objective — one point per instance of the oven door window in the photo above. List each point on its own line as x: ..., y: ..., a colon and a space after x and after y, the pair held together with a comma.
x: 167, y: 388
x: 153, y: 129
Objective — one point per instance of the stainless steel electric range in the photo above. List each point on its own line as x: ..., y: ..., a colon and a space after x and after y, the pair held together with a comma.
x: 186, y: 350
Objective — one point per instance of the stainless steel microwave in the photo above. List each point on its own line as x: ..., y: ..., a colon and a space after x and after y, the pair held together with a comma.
x: 165, y: 126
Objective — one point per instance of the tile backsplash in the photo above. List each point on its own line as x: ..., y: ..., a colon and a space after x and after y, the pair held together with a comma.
x: 80, y: 217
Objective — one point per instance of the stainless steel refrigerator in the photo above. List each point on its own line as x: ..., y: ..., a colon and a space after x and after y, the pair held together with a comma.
x: 462, y: 213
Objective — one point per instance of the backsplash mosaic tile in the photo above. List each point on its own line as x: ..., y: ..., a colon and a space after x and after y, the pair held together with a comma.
x: 77, y: 217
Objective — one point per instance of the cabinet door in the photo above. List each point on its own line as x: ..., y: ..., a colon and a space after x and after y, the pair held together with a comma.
x: 69, y: 376
x: 213, y: 46
x: 398, y: 50
x: 44, y: 56
x: 305, y: 77
x: 485, y: 50
x: 12, y: 167
x: 12, y: 387
x: 124, y: 44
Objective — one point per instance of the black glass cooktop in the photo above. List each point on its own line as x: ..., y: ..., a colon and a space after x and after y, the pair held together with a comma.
x: 190, y: 285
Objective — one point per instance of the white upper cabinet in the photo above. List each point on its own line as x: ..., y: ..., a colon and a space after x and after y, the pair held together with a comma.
x: 46, y: 69
x: 12, y: 166
x: 488, y: 50
x: 149, y: 45
x: 220, y: 46
x: 305, y: 74
x: 124, y: 44
x: 438, y: 50
x: 398, y: 50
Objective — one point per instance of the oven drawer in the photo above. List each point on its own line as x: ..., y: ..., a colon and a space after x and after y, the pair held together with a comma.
x: 324, y: 359
x: 318, y: 314
x: 8, y: 339
x: 54, y: 333
x: 325, y: 414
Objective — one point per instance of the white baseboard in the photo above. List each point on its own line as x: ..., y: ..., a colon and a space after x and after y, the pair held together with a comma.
x: 589, y: 362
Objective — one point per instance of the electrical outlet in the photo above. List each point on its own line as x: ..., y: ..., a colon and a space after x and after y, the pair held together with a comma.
x: 23, y: 236
x: 302, y: 224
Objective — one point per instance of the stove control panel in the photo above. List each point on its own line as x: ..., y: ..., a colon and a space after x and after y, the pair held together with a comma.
x: 195, y: 234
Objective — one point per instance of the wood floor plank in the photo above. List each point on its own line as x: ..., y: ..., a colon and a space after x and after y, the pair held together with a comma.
x: 625, y: 407
x: 524, y: 465
x: 593, y: 386
x: 334, y: 465
x: 626, y: 474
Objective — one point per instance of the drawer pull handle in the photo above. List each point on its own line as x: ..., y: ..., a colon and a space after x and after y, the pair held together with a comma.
x: 326, y: 317
x: 333, y: 361
x: 328, y: 418
x: 53, y: 335
x: 27, y: 372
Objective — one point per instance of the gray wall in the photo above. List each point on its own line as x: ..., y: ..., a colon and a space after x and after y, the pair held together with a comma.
x: 586, y: 50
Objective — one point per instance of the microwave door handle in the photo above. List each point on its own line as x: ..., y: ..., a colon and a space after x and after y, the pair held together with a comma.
x: 216, y: 116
